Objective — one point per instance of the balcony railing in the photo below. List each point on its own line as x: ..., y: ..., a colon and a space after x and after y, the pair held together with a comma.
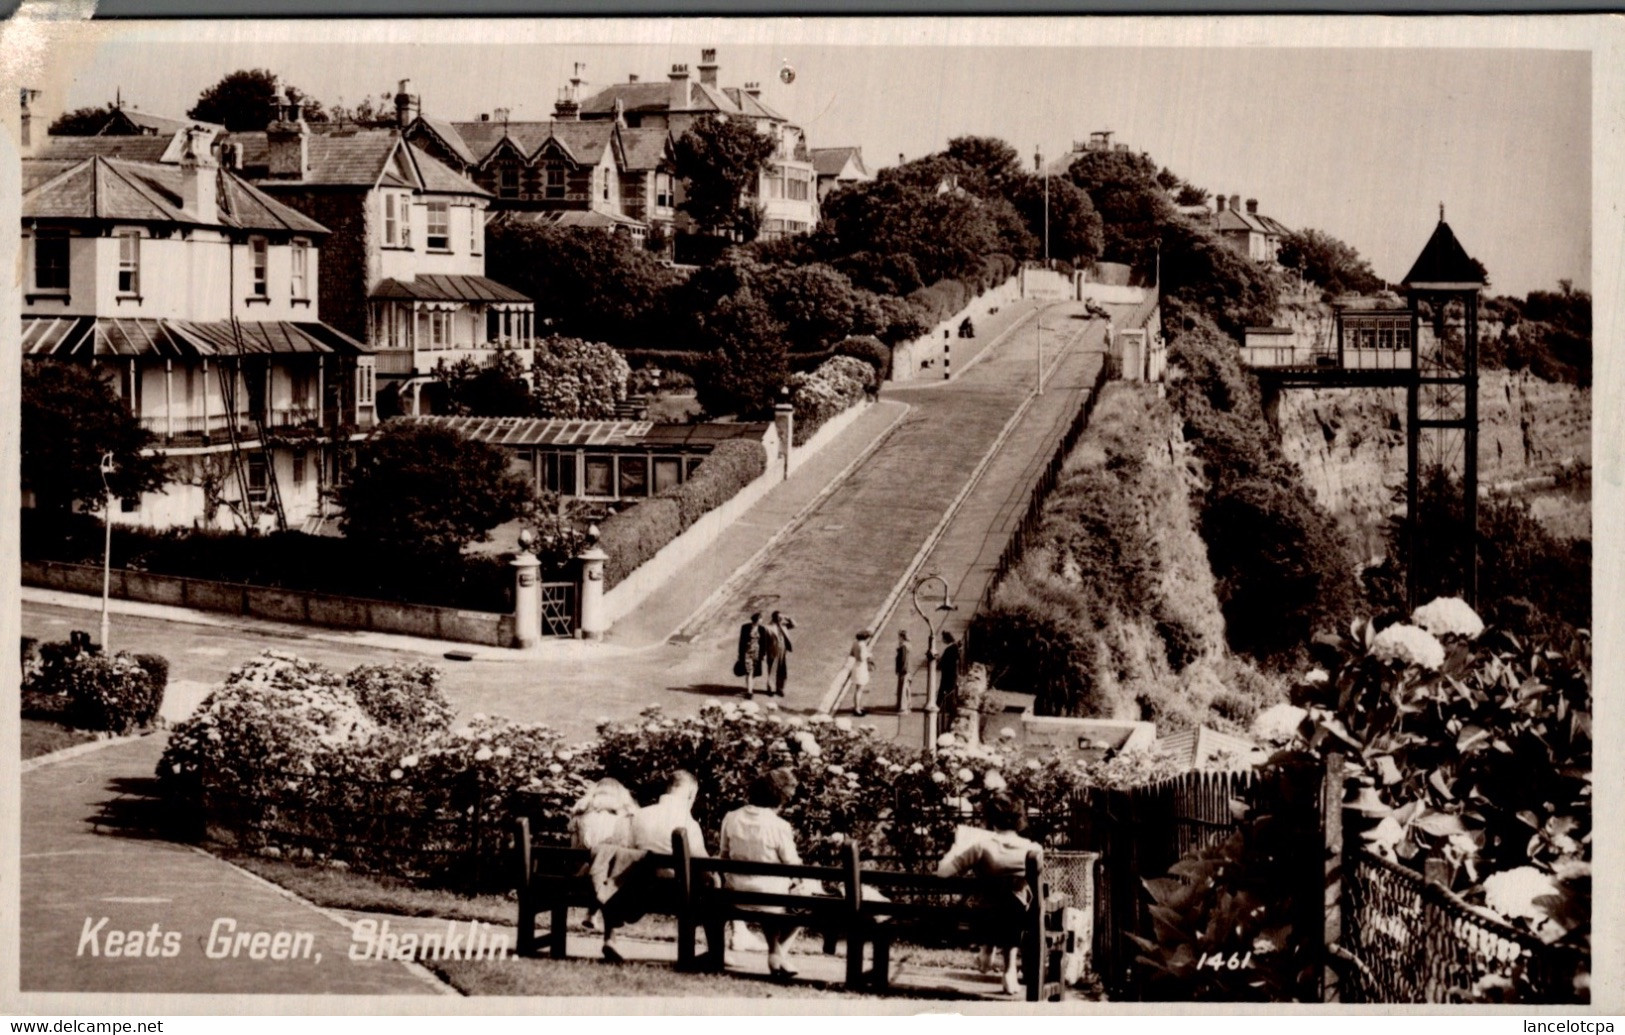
x: 216, y: 424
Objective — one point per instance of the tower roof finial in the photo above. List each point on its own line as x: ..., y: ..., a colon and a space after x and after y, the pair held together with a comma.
x: 1441, y: 211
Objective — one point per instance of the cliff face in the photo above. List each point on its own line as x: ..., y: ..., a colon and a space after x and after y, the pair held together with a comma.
x: 1350, y: 444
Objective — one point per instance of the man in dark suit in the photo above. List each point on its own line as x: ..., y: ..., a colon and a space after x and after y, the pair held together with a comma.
x: 778, y: 647
x: 752, y: 647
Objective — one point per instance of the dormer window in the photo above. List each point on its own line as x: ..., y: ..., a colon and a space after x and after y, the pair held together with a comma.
x: 439, y: 235
x: 51, y: 261
x: 129, y: 262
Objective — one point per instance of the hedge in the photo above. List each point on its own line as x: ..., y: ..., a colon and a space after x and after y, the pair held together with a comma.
x: 631, y: 537
x: 281, y: 560
x: 684, y: 360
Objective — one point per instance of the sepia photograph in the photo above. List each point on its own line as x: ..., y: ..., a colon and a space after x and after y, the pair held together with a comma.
x: 834, y: 515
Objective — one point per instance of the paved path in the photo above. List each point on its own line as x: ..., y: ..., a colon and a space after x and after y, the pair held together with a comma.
x: 87, y: 855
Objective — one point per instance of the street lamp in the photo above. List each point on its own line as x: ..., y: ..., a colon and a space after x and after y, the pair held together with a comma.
x: 1038, y: 166
x: 931, y: 631
x: 107, y: 544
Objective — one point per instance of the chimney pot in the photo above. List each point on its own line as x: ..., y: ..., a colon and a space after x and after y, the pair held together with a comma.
x: 632, y: 78
x: 1252, y: 206
x: 708, y: 66
x: 485, y: 116
x: 1221, y: 202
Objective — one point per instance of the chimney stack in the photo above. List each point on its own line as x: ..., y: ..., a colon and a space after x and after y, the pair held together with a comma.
x: 287, y: 144
x: 1235, y: 202
x: 1220, y: 200
x: 708, y: 66
x: 567, y: 108
x: 753, y: 89
x: 632, y: 78
x: 677, y: 99
x: 1252, y: 206
x: 199, y: 187
x: 403, y: 105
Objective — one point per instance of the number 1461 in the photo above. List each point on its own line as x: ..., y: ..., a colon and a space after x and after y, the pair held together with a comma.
x: 1221, y: 961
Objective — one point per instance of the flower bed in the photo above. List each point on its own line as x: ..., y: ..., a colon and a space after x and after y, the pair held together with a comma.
x: 365, y: 771
x: 88, y: 690
x: 838, y: 384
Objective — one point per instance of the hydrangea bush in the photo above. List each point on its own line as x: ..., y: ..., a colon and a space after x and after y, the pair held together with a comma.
x: 89, y: 690
x: 838, y: 384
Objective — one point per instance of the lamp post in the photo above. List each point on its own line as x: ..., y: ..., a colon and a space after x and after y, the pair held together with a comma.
x: 931, y: 631
x: 1038, y: 167
x: 107, y: 544
x: 1040, y: 354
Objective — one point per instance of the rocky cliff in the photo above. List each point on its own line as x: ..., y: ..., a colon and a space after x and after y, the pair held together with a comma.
x: 1534, y: 441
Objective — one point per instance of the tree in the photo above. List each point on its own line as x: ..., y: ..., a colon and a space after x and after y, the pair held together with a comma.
x: 424, y: 491
x: 748, y: 362
x: 371, y: 113
x: 81, y: 122
x: 588, y: 283
x: 1202, y: 271
x: 1190, y: 194
x: 70, y: 419
x: 1324, y: 260
x: 816, y: 304
x: 997, y: 165
x: 1076, y: 233
x: 494, y: 389
x: 719, y: 161
x: 241, y: 101
x: 1133, y: 206
x: 578, y: 379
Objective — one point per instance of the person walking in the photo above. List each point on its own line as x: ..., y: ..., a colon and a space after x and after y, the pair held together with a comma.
x: 757, y: 833
x: 948, y: 673
x: 778, y: 648
x: 860, y: 662
x: 905, y: 672
x: 752, y: 636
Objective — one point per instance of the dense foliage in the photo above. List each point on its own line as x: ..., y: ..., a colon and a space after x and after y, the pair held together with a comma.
x: 1278, y: 557
x: 719, y: 161
x: 82, y: 122
x: 292, y: 743
x: 92, y: 690
x: 286, y: 560
x: 837, y: 385
x: 241, y: 101
x: 1467, y: 759
x: 577, y: 379
x: 71, y: 418
x: 1322, y: 259
x: 1547, y: 333
x: 425, y: 491
x: 495, y: 388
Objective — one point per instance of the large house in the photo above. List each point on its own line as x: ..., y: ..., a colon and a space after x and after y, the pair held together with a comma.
x: 838, y: 166
x: 196, y: 295
x: 406, y: 269
x: 787, y: 189
x: 1250, y: 232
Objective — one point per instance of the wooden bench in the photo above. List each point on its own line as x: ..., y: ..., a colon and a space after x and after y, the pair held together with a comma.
x: 830, y: 900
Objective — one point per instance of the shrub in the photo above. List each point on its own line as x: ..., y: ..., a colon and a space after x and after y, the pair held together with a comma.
x: 115, y: 693
x: 578, y: 379
x: 1184, y: 643
x: 730, y: 467
x: 838, y: 384
x: 156, y: 666
x: 869, y: 349
x: 403, y: 697
x: 631, y: 537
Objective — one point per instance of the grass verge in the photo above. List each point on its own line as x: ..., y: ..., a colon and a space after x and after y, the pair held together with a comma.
x: 41, y: 737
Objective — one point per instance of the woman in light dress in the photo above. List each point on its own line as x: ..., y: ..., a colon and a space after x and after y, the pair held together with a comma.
x: 757, y: 833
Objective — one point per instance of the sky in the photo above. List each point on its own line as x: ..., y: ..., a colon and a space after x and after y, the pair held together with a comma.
x: 1362, y: 143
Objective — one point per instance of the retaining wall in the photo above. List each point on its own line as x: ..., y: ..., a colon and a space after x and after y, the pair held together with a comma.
x: 281, y: 605
x: 922, y: 357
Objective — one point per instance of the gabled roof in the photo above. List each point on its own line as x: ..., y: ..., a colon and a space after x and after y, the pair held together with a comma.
x: 582, y: 142
x: 644, y: 148
x: 162, y: 125
x: 362, y: 158
x: 1443, y: 261
x: 134, y: 148
x: 447, y: 287
x: 751, y: 105
x: 634, y: 97
x: 143, y: 192
x: 447, y: 134
x: 830, y: 161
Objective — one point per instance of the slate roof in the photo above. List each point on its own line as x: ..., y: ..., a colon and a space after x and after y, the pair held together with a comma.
x: 64, y: 336
x: 829, y: 161
x: 1443, y: 261
x: 584, y: 142
x: 134, y: 148
x: 751, y: 105
x: 447, y: 287
x: 146, y: 192
x: 1232, y: 220
x: 644, y: 148
x: 361, y: 158
x: 162, y: 125
x: 634, y: 97
x: 447, y: 132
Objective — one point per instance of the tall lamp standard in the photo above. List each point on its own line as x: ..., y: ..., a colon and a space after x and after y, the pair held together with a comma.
x: 931, y: 630
x: 107, y: 544
x: 1038, y: 167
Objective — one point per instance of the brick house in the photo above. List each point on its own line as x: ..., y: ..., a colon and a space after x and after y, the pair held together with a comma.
x: 195, y: 294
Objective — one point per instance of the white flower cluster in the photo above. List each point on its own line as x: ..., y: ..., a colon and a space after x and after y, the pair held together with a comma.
x: 1409, y: 645
x: 1513, y: 892
x: 1278, y: 723
x: 1449, y: 616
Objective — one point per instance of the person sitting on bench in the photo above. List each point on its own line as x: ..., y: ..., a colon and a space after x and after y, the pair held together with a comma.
x: 757, y: 833
x: 1000, y: 853
x: 625, y: 885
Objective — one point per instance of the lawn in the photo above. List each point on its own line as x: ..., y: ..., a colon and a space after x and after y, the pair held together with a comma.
x: 41, y: 737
